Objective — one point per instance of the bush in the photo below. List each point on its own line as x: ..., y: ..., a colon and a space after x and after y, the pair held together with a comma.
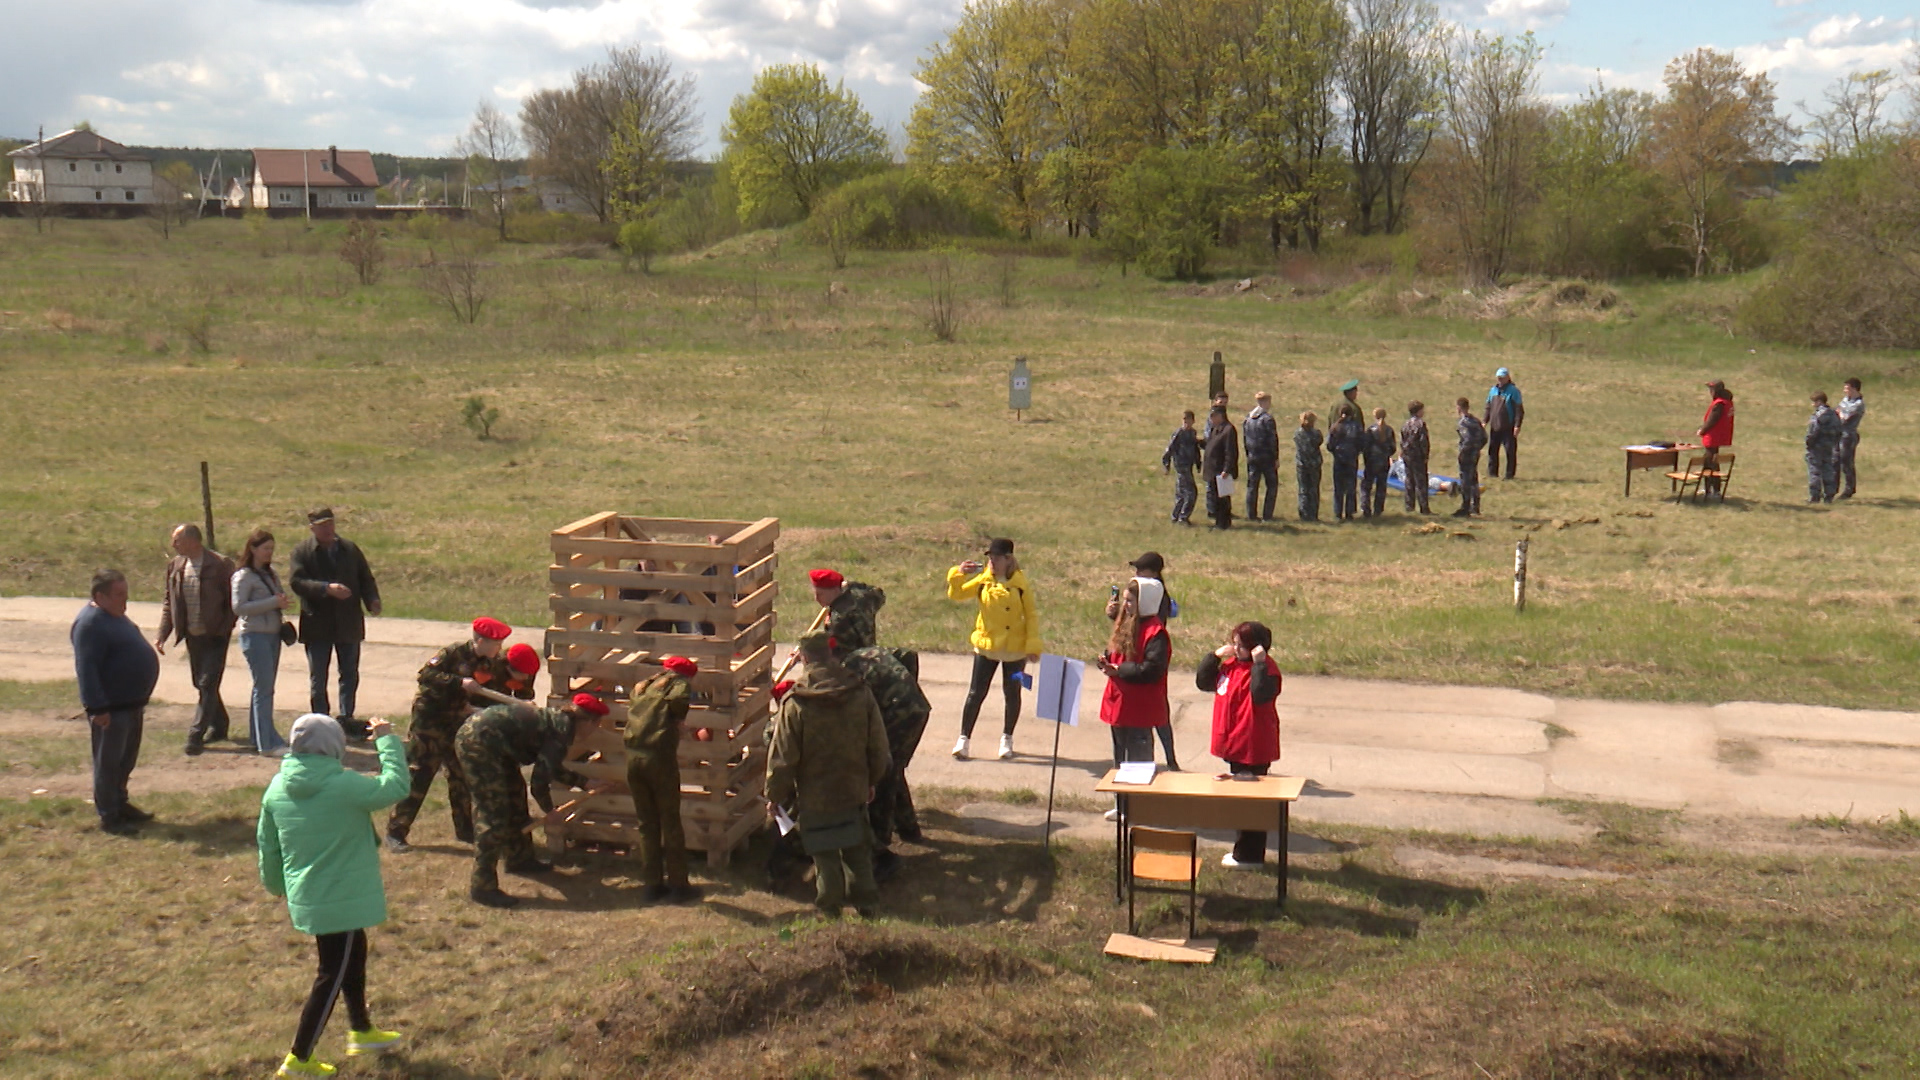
x: 1165, y: 210
x: 1849, y: 274
x: 640, y: 240
x: 897, y: 209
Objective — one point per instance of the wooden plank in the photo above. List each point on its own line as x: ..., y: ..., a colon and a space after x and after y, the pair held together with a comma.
x: 701, y: 527
x: 576, y: 608
x: 663, y: 644
x: 1170, y: 950
x: 591, y: 521
x: 765, y: 531
x: 701, y: 554
x: 571, y: 576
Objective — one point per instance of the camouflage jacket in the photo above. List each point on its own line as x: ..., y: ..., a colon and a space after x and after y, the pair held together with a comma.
x: 903, y: 706
x: 440, y: 690
x: 522, y: 735
x: 654, y: 716
x: 1473, y: 434
x: 829, y: 744
x: 853, y: 620
x: 1345, y: 440
x: 1823, y: 428
x: 1306, y: 447
x: 1414, y: 440
x: 1380, y: 447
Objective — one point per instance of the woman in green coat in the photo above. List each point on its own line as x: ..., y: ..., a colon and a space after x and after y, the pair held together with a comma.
x: 318, y: 848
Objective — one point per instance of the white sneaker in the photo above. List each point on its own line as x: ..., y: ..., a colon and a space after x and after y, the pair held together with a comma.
x: 1232, y: 863
x: 1113, y: 814
x: 960, y: 749
x: 1006, y: 747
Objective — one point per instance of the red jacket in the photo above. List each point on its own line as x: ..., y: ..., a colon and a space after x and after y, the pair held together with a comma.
x: 1246, y: 731
x: 1137, y: 690
x: 1717, y: 432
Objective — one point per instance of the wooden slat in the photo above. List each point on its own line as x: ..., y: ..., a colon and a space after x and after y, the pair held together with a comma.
x: 591, y: 521
x: 762, y: 532
x: 721, y: 555
x: 658, y: 580
x: 690, y: 526
x: 662, y: 644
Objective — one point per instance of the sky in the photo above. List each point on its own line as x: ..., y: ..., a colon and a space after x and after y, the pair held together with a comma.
x: 404, y: 76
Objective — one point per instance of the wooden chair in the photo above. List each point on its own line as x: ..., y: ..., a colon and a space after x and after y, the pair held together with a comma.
x: 1714, y: 481
x: 1688, y: 477
x: 1164, y: 855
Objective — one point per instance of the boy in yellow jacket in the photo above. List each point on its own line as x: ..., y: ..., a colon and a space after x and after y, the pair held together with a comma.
x: 1006, y: 635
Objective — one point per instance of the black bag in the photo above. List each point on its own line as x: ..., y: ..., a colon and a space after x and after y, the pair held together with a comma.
x: 288, y: 635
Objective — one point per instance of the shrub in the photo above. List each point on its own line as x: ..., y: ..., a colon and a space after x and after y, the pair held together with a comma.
x: 898, y: 209
x: 1164, y: 211
x: 640, y: 240
x: 362, y: 250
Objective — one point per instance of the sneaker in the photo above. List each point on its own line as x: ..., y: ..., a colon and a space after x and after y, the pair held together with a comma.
x: 371, y: 1041
x: 278, y: 751
x: 293, y: 1066
x: 1232, y: 863
x: 960, y: 749
x: 134, y: 814
x: 492, y: 898
x: 1006, y: 747
x: 1113, y: 814
x: 398, y: 845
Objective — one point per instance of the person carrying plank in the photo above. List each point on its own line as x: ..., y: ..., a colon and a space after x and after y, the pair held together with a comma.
x: 655, y: 714
x: 442, y: 703
x: 492, y: 747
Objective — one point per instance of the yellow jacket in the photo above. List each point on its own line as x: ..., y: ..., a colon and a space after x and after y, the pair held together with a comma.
x: 1009, y: 621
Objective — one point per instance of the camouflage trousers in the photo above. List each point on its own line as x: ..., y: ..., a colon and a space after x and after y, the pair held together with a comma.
x: 1307, y: 479
x: 1823, y: 481
x: 1416, y: 483
x: 430, y: 749
x: 499, y: 811
x: 892, y: 810
x: 662, y: 850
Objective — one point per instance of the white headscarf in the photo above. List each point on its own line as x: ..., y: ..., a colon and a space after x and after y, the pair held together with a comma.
x: 317, y: 733
x: 1153, y: 592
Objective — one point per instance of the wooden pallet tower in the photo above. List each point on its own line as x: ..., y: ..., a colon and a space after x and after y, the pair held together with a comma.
x: 629, y: 591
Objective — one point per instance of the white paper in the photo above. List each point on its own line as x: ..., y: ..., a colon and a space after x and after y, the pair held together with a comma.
x: 1135, y: 772
x: 781, y: 819
x: 1223, y: 486
x: 1056, y: 693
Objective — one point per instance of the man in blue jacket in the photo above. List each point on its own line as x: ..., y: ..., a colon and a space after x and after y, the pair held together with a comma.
x: 1504, y: 414
x: 116, y: 669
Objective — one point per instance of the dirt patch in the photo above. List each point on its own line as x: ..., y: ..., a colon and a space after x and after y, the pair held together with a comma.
x: 1662, y: 1052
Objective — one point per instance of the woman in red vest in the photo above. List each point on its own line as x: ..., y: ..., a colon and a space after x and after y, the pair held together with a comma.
x: 1135, y: 663
x: 1716, y: 429
x: 1246, y: 726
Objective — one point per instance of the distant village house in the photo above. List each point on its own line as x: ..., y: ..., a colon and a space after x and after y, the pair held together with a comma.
x: 314, y: 179
x: 555, y: 197
x: 80, y: 167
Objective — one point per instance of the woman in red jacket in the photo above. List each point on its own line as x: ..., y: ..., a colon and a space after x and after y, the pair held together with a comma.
x: 1135, y: 663
x: 1246, y: 726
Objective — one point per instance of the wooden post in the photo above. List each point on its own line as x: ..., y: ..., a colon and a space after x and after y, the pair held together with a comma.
x: 1520, y: 577
x: 206, y: 504
x: 1216, y: 378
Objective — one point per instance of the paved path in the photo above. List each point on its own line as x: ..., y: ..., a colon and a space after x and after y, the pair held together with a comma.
x: 1406, y: 756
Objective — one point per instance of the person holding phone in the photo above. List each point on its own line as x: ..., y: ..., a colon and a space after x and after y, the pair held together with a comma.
x: 1246, y: 725
x: 1006, y: 635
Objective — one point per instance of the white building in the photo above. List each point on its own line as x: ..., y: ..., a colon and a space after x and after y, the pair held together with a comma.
x: 80, y: 167
x: 313, y: 179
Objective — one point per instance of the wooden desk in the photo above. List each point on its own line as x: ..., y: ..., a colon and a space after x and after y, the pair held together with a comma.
x: 1639, y: 457
x: 1185, y: 800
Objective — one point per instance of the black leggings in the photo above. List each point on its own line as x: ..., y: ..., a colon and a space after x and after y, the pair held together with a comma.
x: 977, y: 691
x: 343, y: 973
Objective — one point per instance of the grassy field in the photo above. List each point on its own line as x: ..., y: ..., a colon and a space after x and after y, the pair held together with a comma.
x: 744, y: 384
x: 162, y: 957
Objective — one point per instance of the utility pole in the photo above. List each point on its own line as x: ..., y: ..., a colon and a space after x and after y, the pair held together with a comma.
x: 306, y: 186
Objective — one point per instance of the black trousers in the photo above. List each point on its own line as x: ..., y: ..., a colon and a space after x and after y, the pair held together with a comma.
x: 1373, y: 494
x: 207, y: 660
x: 343, y: 973
x: 116, y: 750
x: 977, y: 691
x: 1496, y: 440
x: 1251, y: 846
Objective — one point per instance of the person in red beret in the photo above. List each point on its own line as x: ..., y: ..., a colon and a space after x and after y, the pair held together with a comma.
x: 523, y: 666
x: 440, y: 705
x: 853, y: 609
x: 656, y: 713
x: 1245, y: 683
x: 492, y: 747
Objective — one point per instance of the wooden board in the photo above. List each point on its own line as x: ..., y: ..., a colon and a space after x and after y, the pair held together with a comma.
x: 1170, y: 950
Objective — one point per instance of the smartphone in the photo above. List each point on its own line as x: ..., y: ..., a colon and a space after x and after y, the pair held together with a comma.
x: 1113, y: 592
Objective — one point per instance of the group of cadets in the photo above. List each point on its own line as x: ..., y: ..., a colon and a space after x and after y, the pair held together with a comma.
x: 847, y: 727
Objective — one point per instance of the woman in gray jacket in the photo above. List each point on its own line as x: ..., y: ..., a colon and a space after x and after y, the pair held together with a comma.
x: 258, y: 600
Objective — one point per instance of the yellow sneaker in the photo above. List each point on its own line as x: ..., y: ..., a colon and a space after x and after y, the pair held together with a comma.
x: 371, y: 1041
x: 293, y: 1066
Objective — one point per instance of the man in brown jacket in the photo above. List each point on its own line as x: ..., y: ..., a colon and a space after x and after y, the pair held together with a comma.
x: 829, y: 753
x: 199, y: 610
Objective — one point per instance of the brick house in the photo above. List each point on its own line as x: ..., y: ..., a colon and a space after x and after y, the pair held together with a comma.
x: 315, y: 179
x: 80, y: 167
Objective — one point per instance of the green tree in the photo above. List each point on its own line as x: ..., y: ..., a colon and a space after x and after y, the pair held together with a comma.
x: 1283, y: 118
x: 1714, y: 119
x: 795, y: 136
x: 1483, y: 182
x: 1390, y: 77
x: 1164, y: 211
x: 1601, y: 211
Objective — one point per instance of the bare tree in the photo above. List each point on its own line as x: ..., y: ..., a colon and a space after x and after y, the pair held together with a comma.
x: 1853, y: 117
x: 490, y: 145
x: 453, y: 278
x: 1490, y: 134
x: 363, y: 250
x: 570, y: 131
x: 173, y: 184
x: 1714, y: 119
x: 1390, y: 77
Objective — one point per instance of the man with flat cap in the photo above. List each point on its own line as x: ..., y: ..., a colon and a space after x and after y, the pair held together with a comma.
x: 445, y: 698
x: 330, y: 575
x: 492, y: 747
x: 829, y: 754
x: 853, y: 609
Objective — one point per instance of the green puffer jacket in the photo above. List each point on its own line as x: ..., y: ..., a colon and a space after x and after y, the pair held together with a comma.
x: 318, y: 847
x: 829, y: 744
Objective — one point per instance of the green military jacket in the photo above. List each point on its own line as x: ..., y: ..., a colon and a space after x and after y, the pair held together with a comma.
x: 440, y: 692
x: 854, y: 617
x: 654, y: 715
x: 523, y: 735
x: 829, y: 744
x: 903, y: 707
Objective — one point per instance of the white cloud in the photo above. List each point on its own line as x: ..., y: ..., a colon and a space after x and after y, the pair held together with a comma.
x: 1527, y: 14
x: 1844, y: 30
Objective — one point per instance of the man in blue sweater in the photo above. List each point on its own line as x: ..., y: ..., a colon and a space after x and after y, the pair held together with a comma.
x: 116, y: 668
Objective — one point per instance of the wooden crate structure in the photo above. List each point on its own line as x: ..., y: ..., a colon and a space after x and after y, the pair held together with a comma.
x: 629, y: 591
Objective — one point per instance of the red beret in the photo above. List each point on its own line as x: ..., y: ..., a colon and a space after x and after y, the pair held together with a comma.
x: 680, y: 665
x: 826, y: 579
x: 587, y: 703
x: 491, y: 628
x: 780, y: 688
x: 524, y: 659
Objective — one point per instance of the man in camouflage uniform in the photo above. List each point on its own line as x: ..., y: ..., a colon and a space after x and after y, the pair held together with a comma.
x: 492, y: 747
x: 1473, y: 439
x: 439, y: 707
x: 1851, y: 408
x: 1823, y: 443
x: 829, y: 754
x: 654, y: 718
x: 853, y: 609
x: 1415, y: 445
x: 903, y: 713
x: 1381, y: 445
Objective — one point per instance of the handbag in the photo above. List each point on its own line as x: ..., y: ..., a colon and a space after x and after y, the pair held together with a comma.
x: 288, y: 635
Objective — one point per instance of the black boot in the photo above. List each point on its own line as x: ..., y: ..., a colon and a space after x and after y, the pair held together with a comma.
x: 493, y: 898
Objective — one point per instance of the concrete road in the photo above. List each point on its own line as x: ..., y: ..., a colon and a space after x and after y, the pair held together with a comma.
x: 1459, y: 759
